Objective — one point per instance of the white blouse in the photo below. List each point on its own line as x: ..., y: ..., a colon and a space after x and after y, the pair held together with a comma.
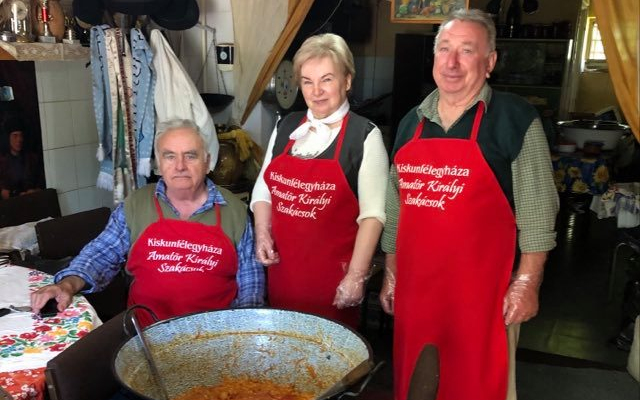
x: 372, y: 176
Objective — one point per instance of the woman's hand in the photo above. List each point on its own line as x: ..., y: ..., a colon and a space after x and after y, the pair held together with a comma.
x: 265, y: 248
x: 350, y: 291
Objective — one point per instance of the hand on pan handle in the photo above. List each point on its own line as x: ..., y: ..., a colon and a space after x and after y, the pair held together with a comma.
x: 265, y: 248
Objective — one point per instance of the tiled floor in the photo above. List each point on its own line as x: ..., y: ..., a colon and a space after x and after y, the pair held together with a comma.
x: 576, y: 319
x: 575, y: 324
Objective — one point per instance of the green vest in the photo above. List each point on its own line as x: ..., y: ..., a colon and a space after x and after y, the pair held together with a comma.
x: 501, y: 134
x: 140, y: 212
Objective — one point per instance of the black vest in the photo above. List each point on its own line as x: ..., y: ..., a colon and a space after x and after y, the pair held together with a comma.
x: 504, y: 125
x: 358, y: 128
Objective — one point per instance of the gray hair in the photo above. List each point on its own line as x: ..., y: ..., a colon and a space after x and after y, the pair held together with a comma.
x: 325, y: 45
x: 177, y: 123
x: 472, y: 15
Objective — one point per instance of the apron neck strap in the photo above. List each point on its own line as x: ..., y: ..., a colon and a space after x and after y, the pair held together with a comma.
x: 476, y: 121
x: 419, y: 128
x: 474, y: 129
x: 161, y: 215
x: 218, y: 221
x: 343, y: 129
x: 158, y: 208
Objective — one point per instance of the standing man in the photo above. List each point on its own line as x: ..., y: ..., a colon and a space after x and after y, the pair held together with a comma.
x: 471, y: 177
x: 188, y: 244
x: 20, y: 170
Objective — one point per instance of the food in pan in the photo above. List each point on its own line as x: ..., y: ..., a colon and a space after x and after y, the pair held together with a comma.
x: 244, y: 389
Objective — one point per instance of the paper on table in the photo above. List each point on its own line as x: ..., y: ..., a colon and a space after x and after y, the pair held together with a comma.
x: 12, y: 286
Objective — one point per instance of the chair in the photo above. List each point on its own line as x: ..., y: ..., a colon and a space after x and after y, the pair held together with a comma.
x: 83, y: 371
x: 30, y: 207
x: 627, y: 238
x: 65, y: 237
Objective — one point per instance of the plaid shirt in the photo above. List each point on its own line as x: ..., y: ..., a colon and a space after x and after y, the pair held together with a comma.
x: 99, y: 261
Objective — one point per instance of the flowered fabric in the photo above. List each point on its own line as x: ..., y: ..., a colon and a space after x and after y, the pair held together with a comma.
x: 27, y: 341
x: 24, y: 384
x: 580, y: 175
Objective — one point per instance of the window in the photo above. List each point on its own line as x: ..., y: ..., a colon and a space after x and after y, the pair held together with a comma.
x: 594, y: 58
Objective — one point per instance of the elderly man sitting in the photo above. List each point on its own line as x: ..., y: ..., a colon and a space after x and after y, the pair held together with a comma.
x: 187, y: 244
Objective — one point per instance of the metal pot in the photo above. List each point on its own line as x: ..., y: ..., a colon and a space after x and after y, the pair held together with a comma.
x: 287, y: 347
x: 581, y: 131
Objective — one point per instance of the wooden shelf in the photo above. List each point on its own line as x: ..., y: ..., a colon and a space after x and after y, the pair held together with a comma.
x: 43, y: 52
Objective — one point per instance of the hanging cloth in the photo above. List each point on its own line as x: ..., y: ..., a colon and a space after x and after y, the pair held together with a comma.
x: 176, y: 96
x: 143, y: 111
x: 102, y: 105
x: 122, y: 139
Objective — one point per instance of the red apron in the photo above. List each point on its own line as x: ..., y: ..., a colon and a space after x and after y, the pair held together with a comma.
x: 181, y: 267
x: 455, y: 251
x: 313, y: 223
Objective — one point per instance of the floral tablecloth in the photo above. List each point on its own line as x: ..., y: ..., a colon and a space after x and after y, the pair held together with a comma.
x: 27, y: 342
x: 575, y: 173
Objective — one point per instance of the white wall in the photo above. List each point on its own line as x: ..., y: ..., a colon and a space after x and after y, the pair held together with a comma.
x: 69, y: 136
x: 193, y: 55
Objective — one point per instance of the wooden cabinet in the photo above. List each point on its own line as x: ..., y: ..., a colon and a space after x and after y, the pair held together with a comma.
x: 533, y: 68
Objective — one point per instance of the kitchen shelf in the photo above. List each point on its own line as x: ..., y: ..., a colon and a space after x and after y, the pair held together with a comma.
x: 43, y: 51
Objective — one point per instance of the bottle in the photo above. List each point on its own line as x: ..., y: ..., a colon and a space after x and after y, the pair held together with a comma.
x: 514, y: 17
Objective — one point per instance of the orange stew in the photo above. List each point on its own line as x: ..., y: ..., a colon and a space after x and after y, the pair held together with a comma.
x: 244, y: 389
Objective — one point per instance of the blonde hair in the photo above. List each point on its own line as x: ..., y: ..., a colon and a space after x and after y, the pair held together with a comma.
x: 325, y: 45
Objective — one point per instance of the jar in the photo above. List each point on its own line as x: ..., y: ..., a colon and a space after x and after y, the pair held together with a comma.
x: 229, y: 167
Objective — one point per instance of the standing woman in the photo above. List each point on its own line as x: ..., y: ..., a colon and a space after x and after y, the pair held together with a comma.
x: 319, y: 199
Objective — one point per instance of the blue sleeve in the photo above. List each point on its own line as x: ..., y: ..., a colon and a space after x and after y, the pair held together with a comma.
x: 99, y: 261
x: 250, y: 276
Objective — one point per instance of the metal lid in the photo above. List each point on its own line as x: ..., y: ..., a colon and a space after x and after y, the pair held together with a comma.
x: 593, y: 124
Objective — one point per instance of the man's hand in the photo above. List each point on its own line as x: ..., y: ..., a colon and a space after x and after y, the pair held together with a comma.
x: 350, y: 291
x: 63, y: 292
x: 265, y: 248
x: 521, y: 301
x: 387, y: 293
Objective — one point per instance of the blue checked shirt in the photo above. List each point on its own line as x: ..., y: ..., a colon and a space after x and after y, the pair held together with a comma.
x: 99, y: 261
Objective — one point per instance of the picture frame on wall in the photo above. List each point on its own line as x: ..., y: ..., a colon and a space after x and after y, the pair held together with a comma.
x: 424, y: 11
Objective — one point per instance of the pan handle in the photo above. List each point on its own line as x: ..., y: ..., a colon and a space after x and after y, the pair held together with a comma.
x: 364, y: 383
x: 127, y: 317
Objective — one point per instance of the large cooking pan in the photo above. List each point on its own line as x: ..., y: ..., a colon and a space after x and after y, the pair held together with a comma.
x: 581, y: 131
x: 286, y: 347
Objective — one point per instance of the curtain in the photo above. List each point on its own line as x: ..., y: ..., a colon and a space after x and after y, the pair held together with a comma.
x: 618, y: 25
x: 263, y: 31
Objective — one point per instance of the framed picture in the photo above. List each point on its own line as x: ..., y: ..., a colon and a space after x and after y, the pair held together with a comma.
x: 424, y: 11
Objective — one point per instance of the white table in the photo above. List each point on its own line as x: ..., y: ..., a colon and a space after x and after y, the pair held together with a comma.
x: 622, y: 201
x: 28, y: 342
